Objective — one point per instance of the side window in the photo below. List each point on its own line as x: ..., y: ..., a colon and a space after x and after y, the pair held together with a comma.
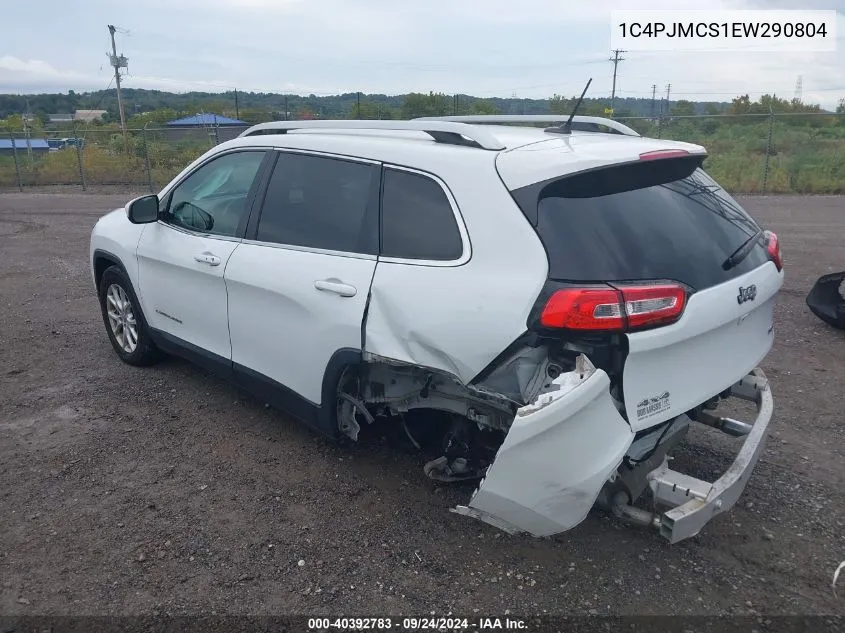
x: 321, y: 202
x: 417, y: 219
x: 213, y: 198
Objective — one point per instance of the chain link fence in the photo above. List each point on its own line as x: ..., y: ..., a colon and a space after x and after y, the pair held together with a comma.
x: 147, y: 158
x: 767, y: 153
x: 763, y: 153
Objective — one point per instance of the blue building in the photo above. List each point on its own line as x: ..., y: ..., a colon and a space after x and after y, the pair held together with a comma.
x: 8, y: 147
x: 207, y: 119
x: 207, y: 125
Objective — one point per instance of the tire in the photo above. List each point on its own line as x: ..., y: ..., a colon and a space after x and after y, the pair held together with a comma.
x: 121, y: 311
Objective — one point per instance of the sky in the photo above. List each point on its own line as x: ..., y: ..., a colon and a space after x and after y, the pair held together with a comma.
x: 527, y: 48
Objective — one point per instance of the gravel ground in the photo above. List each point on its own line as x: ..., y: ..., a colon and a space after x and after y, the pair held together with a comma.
x: 165, y: 490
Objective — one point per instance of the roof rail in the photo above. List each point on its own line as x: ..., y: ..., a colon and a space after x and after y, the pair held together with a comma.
x: 448, y: 132
x: 585, y: 121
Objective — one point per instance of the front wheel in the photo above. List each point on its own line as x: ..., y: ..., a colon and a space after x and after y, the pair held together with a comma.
x: 125, y: 323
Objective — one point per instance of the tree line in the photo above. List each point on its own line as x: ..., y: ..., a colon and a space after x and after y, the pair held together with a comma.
x: 156, y: 108
x: 253, y: 107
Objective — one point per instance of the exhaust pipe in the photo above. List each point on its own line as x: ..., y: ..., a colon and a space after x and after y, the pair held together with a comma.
x: 624, y: 510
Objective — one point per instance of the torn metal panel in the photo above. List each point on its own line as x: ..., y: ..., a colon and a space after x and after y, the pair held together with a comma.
x: 520, y: 377
x: 401, y: 387
x: 424, y: 316
x: 558, y: 454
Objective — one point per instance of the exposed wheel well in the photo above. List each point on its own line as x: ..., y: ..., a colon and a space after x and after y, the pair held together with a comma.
x: 102, y: 261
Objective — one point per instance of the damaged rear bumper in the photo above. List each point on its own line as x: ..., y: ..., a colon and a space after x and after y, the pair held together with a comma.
x: 557, y: 455
x: 694, y: 502
x: 562, y: 450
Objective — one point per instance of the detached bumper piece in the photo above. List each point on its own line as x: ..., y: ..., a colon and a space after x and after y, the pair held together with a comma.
x: 826, y: 299
x: 694, y: 502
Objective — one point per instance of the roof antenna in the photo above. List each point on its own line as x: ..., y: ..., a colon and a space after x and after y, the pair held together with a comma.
x: 566, y: 128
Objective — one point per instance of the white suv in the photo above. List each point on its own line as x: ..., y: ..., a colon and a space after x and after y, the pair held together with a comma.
x: 563, y: 302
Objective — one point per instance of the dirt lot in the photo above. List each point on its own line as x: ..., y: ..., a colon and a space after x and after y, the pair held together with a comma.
x: 128, y: 491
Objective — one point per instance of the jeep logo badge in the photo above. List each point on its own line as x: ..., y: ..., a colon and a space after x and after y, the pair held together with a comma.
x: 746, y: 294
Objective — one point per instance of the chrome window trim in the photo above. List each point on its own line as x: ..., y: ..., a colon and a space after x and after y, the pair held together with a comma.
x: 310, y: 249
x: 324, y: 154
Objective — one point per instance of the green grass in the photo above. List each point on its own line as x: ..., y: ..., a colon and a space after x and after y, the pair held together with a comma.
x: 806, y: 155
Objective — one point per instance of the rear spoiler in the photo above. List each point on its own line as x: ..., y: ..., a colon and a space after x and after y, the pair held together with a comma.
x: 651, y: 169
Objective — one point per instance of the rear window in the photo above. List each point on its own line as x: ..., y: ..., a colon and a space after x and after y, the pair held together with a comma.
x: 657, y: 220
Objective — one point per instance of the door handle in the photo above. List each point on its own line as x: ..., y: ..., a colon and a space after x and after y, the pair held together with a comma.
x: 336, y: 286
x: 207, y: 258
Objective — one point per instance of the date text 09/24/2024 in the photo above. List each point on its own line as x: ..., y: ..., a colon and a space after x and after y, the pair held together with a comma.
x: 432, y: 623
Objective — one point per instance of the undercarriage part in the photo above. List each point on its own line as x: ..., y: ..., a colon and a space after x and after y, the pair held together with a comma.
x: 646, y: 453
x: 434, y: 413
x: 826, y: 299
x: 625, y: 511
x: 349, y: 406
x: 458, y: 439
x: 692, y: 502
x: 348, y: 410
x: 463, y: 453
x: 730, y: 426
x: 396, y: 388
x: 442, y: 469
x: 408, y: 433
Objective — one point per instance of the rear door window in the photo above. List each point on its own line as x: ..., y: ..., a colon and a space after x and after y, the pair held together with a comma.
x: 323, y: 203
x: 418, y: 221
x: 642, y: 222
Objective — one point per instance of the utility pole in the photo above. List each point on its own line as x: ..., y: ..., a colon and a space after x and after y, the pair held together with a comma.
x: 26, y: 118
x: 359, y: 105
x: 237, y: 111
x: 653, y: 98
x: 798, y: 88
x: 119, y: 62
x: 668, y: 89
x: 286, y: 107
x: 615, y: 59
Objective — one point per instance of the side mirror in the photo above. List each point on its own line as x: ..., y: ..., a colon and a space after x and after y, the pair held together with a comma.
x: 143, y: 210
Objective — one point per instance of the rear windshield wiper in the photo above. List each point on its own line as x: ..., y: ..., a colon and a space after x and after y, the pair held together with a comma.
x: 743, y: 251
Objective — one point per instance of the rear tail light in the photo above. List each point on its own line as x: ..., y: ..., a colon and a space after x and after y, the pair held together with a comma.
x: 773, y: 248
x: 584, y: 309
x: 614, y: 310
x: 648, y: 306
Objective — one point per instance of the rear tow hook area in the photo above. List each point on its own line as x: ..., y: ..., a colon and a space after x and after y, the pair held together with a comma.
x: 692, y: 502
